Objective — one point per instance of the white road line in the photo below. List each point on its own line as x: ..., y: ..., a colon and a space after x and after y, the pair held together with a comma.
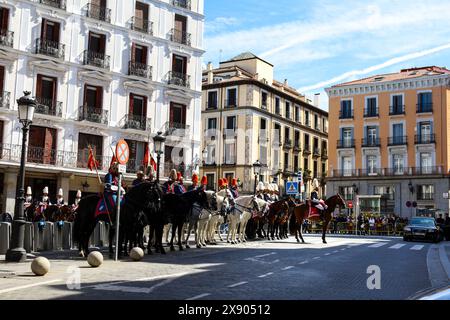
x: 397, y: 246
x: 265, y: 255
x: 335, y: 251
x: 377, y: 245
x: 199, y: 296
x: 304, y: 262
x: 265, y: 275
x: 343, y: 249
x: 287, y: 268
x: 417, y: 247
x: 327, y: 254
x: 315, y: 258
x: 29, y: 286
x: 237, y: 284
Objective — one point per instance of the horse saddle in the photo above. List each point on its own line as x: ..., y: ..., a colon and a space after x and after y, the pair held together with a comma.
x: 314, y: 212
x: 107, y: 204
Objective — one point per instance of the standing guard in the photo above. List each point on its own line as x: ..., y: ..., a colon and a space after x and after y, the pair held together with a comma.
x: 28, y: 197
x: 60, y: 198
x: 77, y: 199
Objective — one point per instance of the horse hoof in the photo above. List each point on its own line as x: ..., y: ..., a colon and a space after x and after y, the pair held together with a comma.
x: 199, y: 246
x: 187, y: 246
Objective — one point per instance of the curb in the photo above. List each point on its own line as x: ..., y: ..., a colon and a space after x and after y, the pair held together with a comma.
x: 444, y: 259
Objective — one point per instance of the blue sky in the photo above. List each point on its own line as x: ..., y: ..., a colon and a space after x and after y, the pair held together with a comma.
x: 315, y: 44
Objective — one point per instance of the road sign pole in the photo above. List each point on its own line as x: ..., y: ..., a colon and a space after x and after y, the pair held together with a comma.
x: 118, y: 216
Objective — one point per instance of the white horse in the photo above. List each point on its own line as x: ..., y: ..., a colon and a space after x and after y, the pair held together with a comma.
x: 217, y: 217
x: 199, y: 219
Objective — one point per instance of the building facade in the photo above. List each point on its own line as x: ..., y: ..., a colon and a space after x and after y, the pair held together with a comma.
x: 100, y: 70
x: 249, y: 116
x: 392, y: 139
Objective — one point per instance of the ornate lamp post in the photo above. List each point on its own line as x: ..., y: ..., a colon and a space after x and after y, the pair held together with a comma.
x: 257, y: 170
x: 16, y: 252
x: 158, y: 141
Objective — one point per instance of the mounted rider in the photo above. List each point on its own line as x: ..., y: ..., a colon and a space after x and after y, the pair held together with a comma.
x: 234, y: 188
x: 60, y: 198
x: 178, y: 186
x: 276, y: 192
x: 316, y: 201
x: 45, y: 201
x: 140, y: 177
x: 168, y: 186
x: 260, y: 190
x: 111, y: 186
x: 194, y: 184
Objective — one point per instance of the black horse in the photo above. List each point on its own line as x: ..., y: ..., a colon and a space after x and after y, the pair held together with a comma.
x: 178, y: 208
x: 139, y: 198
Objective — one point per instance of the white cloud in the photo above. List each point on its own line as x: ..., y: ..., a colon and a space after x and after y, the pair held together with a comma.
x: 354, y: 74
x: 220, y: 23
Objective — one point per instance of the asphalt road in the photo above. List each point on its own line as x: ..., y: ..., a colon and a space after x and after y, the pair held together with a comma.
x: 261, y: 270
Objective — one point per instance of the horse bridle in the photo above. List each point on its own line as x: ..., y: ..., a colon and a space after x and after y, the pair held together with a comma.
x: 255, y: 206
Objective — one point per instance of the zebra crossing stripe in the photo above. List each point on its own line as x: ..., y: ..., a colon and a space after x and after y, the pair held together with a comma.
x: 397, y: 246
x: 377, y: 245
x: 417, y: 247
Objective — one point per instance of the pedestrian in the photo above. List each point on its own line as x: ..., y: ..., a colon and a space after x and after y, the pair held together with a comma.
x: 440, y: 220
x: 140, y: 177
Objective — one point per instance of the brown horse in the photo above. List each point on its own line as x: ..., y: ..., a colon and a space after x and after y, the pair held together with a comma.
x: 301, y: 213
x: 278, y: 212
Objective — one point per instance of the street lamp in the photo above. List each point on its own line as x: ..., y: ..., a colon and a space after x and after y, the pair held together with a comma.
x: 158, y: 141
x: 257, y: 170
x: 16, y: 252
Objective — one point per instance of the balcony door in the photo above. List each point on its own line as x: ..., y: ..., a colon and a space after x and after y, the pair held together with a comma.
x: 50, y: 31
x: 141, y: 13
x: 425, y: 163
x: 97, y: 43
x: 42, y: 145
x: 425, y: 132
x: 179, y: 64
x: 139, y: 53
x: 2, y: 80
x: 4, y: 20
x: 93, y: 97
x: 95, y: 142
x: 180, y: 23
x: 398, y: 133
x: 177, y: 114
x: 46, y: 92
x: 137, y: 152
x: 138, y: 107
x: 347, y: 166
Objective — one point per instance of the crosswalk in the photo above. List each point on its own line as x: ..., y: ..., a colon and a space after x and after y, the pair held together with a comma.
x: 397, y: 246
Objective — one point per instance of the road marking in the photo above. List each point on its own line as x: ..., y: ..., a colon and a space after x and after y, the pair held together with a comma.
x: 265, y: 275
x: 343, y: 249
x: 237, y: 284
x: 417, y: 247
x: 29, y: 286
x: 199, y: 296
x: 335, y: 251
x: 265, y: 255
x: 315, y: 258
x: 327, y: 254
x: 397, y: 246
x: 377, y: 245
x: 287, y: 268
x: 304, y: 262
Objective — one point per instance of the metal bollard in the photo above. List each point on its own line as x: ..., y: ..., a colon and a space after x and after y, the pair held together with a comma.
x: 28, y: 240
x: 43, y: 236
x: 5, y: 236
x: 63, y: 235
x: 96, y: 237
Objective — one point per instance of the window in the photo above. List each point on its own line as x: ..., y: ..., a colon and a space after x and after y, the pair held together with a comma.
x: 307, y: 122
x: 139, y: 53
x: 346, y: 192
x: 397, y: 104
x: 137, y: 114
x: 385, y: 191
x: 212, y: 100
x: 425, y: 192
x: 179, y: 65
x: 372, y: 108
x: 371, y: 165
x: 211, y: 184
x: 97, y: 43
x: 346, y: 109
x: 231, y: 123
x: 425, y: 102
x: 277, y: 105
x: 315, y: 169
x: 288, y: 110
x: 324, y: 169
x: 425, y: 132
x: 212, y: 123
x: 4, y: 21
x: 230, y: 152
x: 137, y: 153
x: 46, y: 94
x: 179, y: 32
x: 93, y: 97
x: 425, y: 163
x: 347, y: 166
x: 306, y: 142
x: 316, y: 122
x: 397, y: 130
x: 140, y: 22
x: 277, y: 134
x: 287, y: 135
x: 42, y: 145
x: 297, y: 114
x: 398, y: 161
x: 231, y: 98
x: 264, y: 99
x: 371, y: 136
x: 296, y: 164
x: 305, y: 164
x: 286, y: 161
x: 211, y: 159
x: 177, y: 117
x: 96, y: 143
x: 297, y: 139
x: 347, y: 137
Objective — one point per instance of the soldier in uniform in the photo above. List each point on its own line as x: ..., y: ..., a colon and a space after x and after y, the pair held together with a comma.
x: 276, y: 192
x: 60, y: 198
x: 168, y: 186
x: 178, y: 186
x: 140, y: 177
x: 45, y: 201
x: 77, y: 198
x: 204, y: 182
x: 111, y: 186
x: 234, y: 188
x: 315, y: 200
x: 28, y: 197
x: 260, y: 190
x: 194, y: 185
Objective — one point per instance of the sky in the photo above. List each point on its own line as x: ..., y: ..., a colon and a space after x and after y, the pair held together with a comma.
x: 315, y: 44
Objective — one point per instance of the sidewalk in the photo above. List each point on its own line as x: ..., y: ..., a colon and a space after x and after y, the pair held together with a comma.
x: 444, y: 255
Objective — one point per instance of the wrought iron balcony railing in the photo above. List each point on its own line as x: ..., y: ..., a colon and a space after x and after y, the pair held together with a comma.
x: 424, y: 107
x: 6, y: 38
x: 230, y: 103
x: 131, y: 121
x: 425, y: 139
x: 287, y: 144
x: 140, y: 70
x: 371, y: 112
x: 348, y: 114
x: 345, y: 143
x: 99, y: 13
x: 307, y: 149
x: 397, y: 141
x: 93, y: 114
x: 141, y: 25
x: 4, y: 99
x: 316, y: 152
x: 60, y: 4
x: 50, y: 48
x: 41, y: 155
x: 48, y: 107
x: 180, y: 36
x: 96, y: 59
x: 396, y: 110
x: 176, y: 129
x: 179, y: 79
x: 186, y: 4
x: 371, y: 142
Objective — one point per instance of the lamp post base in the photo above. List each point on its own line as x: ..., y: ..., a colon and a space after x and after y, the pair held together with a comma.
x: 16, y: 255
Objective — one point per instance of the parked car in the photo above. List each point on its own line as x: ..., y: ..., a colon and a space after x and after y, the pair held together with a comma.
x: 422, y: 228
x: 442, y: 293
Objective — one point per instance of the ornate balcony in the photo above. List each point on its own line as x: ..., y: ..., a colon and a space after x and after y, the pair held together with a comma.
x: 425, y: 139
x: 6, y: 38
x: 185, y: 4
x: 287, y: 144
x: 396, y: 110
x: 346, y: 144
x: 50, y: 48
x: 131, y: 121
x: 297, y: 147
x: 4, y: 99
x: 180, y: 36
x: 49, y: 107
x: 306, y: 150
x: 141, y: 25
x: 93, y: 114
x: 398, y: 141
x: 424, y: 107
x: 316, y: 152
x: 98, y: 13
x: 179, y: 79
x: 176, y: 129
x: 371, y: 142
x: 96, y: 59
x: 140, y: 70
x: 60, y: 4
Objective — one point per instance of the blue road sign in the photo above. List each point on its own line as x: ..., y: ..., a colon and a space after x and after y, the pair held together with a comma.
x: 292, y: 188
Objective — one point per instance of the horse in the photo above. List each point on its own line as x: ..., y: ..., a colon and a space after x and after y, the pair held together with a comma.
x: 301, y: 212
x: 178, y: 208
x: 217, y: 218
x: 277, y: 212
x: 199, y: 219
x: 137, y: 199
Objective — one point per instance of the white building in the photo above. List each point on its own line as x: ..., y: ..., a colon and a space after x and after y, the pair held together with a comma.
x: 101, y: 70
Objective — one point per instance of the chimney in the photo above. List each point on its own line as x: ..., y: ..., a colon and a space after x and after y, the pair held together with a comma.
x: 316, y: 100
x: 285, y: 82
x: 209, y: 68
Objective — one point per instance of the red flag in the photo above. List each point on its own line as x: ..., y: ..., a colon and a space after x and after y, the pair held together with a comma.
x: 113, y: 159
x: 91, y: 160
x: 153, y: 163
x: 146, y: 155
x: 148, y: 159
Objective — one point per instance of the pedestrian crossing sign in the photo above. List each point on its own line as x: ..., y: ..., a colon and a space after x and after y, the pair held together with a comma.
x: 292, y: 188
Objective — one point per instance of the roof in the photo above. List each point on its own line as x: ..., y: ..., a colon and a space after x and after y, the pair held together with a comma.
x: 246, y: 56
x: 404, y: 74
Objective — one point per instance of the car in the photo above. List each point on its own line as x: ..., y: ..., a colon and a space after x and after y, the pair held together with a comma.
x: 441, y: 293
x: 422, y: 228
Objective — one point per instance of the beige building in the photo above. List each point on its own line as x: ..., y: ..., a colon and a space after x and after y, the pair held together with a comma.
x: 249, y: 116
